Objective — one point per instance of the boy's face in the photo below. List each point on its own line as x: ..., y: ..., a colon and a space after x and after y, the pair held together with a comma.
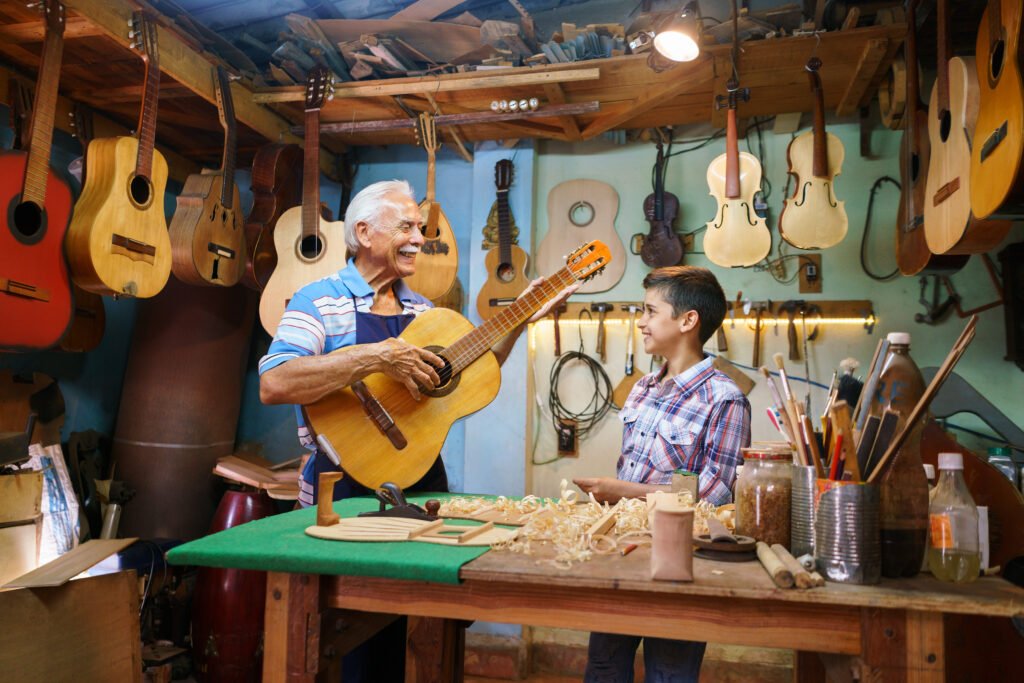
x: 662, y: 334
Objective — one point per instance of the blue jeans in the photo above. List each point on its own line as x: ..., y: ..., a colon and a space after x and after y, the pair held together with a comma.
x: 610, y: 659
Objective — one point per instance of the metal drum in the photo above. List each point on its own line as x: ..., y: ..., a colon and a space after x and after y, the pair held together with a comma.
x: 846, y: 534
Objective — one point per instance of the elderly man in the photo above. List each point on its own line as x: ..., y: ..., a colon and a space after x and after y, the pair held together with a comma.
x: 365, y: 304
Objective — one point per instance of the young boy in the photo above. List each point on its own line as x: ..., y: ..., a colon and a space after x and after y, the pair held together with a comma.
x: 687, y: 416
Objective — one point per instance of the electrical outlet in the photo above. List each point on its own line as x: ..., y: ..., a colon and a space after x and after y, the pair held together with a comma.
x: 810, y: 273
x: 567, y: 442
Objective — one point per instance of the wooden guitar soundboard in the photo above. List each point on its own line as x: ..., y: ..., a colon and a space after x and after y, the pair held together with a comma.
x: 400, y: 529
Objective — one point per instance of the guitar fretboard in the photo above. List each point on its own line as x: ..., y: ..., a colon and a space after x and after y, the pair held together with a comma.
x: 504, y: 228
x: 45, y: 105
x: 311, y: 175
x: 151, y: 97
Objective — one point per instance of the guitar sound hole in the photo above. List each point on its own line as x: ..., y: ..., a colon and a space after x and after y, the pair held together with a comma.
x: 310, y: 247
x: 995, y: 64
x: 581, y: 214
x: 140, y: 190
x: 28, y: 220
x: 506, y: 273
x: 945, y: 124
x: 449, y: 381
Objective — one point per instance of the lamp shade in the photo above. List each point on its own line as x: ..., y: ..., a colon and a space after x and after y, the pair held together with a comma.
x: 677, y: 45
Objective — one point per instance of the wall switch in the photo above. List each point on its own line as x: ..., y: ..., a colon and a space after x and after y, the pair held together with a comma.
x: 810, y: 273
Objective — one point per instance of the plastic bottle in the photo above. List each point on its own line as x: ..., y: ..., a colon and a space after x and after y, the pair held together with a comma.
x: 903, y: 490
x: 953, y: 552
x: 929, y: 474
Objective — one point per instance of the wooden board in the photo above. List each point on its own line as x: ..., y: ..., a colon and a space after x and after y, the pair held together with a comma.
x: 21, y: 495
x: 71, y: 564
x: 19, y: 547
x: 85, y: 630
x: 280, y: 484
x: 374, y: 529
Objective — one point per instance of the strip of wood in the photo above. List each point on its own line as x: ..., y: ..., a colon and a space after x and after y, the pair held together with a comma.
x: 71, y: 564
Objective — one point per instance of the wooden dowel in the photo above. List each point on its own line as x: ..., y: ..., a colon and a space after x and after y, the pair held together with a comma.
x: 782, y: 577
x: 325, y: 514
x: 472, y: 532
x: 800, y: 575
x: 427, y: 527
x: 812, y: 442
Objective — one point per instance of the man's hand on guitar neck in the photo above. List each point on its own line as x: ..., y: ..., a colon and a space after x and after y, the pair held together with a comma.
x: 412, y: 366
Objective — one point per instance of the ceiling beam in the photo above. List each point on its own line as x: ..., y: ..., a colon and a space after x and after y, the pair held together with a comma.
x: 34, y: 31
x: 654, y: 96
x: 191, y: 68
x: 867, y: 67
x: 432, y: 84
x: 556, y: 95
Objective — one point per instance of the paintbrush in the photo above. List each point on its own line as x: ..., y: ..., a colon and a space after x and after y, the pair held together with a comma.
x: 794, y: 413
x: 778, y: 403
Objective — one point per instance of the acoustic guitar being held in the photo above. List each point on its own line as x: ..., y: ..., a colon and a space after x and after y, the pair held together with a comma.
x: 950, y: 226
x: 912, y: 253
x: 35, y: 287
x: 506, y: 263
x: 661, y: 245
x: 207, y: 242
x: 997, y: 159
x: 383, y: 434
x: 437, y: 264
x: 813, y: 218
x: 737, y: 236
x: 276, y: 187
x: 308, y: 247
x: 117, y: 243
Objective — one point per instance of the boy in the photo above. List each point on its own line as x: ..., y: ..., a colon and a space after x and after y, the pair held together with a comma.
x: 686, y: 416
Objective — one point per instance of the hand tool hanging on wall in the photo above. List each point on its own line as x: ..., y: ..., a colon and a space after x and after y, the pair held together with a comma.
x: 629, y: 338
x: 812, y: 310
x: 791, y: 308
x: 556, y: 314
x: 758, y: 308
x: 602, y: 310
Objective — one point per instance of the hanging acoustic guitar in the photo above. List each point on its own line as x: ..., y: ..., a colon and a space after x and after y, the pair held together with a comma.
x: 117, y: 243
x: 437, y: 264
x: 661, y: 245
x: 813, y: 218
x: 950, y: 226
x: 35, y: 287
x: 912, y: 253
x: 383, y: 433
x: 737, y: 236
x: 308, y: 247
x: 506, y: 263
x: 276, y: 187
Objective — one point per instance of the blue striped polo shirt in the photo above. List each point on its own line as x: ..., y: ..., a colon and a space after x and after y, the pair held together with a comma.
x: 321, y: 317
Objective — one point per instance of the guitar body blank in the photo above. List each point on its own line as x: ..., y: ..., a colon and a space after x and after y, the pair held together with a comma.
x: 116, y: 245
x: 737, y: 236
x: 950, y: 226
x: 998, y: 180
x: 437, y: 264
x: 504, y: 282
x: 813, y: 218
x: 207, y: 242
x: 33, y: 260
x: 366, y: 454
x: 293, y: 270
x: 571, y: 223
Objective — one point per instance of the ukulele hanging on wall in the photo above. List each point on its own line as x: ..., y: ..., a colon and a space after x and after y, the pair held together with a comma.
x: 737, y: 236
x: 506, y: 263
x: 813, y: 218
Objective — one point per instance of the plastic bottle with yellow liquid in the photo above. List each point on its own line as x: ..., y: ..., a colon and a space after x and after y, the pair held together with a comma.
x: 953, y: 551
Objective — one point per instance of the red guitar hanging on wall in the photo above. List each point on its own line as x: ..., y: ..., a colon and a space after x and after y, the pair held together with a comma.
x: 35, y: 287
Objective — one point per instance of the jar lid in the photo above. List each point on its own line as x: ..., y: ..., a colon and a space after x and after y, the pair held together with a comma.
x: 951, y: 461
x: 899, y: 338
x: 1000, y: 450
x: 770, y: 453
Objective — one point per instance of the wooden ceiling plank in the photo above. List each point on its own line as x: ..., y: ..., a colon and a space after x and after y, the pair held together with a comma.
x: 432, y: 85
x: 426, y: 10
x: 129, y: 93
x: 867, y: 66
x: 453, y: 131
x: 190, y: 68
x: 34, y: 31
x: 556, y: 95
x: 652, y: 98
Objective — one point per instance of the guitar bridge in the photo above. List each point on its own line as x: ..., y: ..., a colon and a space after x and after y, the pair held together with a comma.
x: 376, y: 412
x: 24, y: 290
x: 992, y: 141
x: 220, y: 250
x: 133, y: 249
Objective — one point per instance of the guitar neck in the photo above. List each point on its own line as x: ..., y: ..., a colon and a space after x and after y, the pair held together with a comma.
x: 227, y: 115
x: 819, y: 162
x: 995, y: 27
x: 913, y: 90
x: 504, y: 227
x: 311, y: 175
x: 944, y: 46
x: 732, y: 156
x: 473, y: 345
x: 43, y: 110
x: 431, y: 174
x: 659, y: 186
x: 151, y: 97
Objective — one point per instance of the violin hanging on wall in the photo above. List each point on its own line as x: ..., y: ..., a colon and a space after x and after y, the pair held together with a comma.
x: 737, y: 236
x: 813, y: 218
x: 661, y: 246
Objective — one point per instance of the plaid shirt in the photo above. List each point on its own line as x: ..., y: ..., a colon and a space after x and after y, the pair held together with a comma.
x: 698, y: 422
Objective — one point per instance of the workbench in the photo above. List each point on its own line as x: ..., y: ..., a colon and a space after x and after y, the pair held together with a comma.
x: 896, y: 628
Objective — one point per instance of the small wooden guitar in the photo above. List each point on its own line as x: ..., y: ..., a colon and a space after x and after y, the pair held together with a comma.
x: 737, y: 236
x: 950, y: 226
x: 383, y: 434
x: 813, y: 218
x: 207, y: 241
x: 661, y: 246
x: 912, y: 253
x: 117, y: 243
x: 437, y: 264
x: 506, y: 263
x: 35, y: 288
x: 276, y: 187
x: 997, y: 159
x: 308, y: 247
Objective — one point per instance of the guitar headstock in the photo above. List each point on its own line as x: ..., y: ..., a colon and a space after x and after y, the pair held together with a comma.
x: 588, y: 260
x: 143, y: 37
x: 319, y: 87
x: 53, y: 15
x: 222, y: 89
x: 503, y: 171
x: 734, y: 95
x: 812, y: 66
x: 426, y: 132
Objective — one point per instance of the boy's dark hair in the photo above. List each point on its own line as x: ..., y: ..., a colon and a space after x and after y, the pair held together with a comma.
x: 691, y: 288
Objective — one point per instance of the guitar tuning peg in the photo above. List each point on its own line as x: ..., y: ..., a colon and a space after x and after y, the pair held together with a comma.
x: 534, y: 103
x: 524, y: 105
x: 495, y: 106
x: 513, y: 106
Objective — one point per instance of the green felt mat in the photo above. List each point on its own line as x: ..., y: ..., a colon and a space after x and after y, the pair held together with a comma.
x: 280, y: 544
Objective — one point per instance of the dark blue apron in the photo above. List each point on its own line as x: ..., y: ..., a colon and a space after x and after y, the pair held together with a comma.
x: 370, y: 329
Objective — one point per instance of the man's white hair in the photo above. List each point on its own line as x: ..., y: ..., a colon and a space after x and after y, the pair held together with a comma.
x: 371, y: 205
